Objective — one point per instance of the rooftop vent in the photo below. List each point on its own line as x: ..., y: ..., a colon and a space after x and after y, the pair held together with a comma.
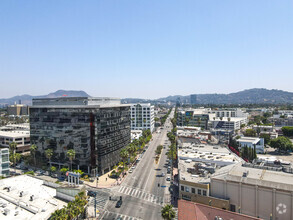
x: 245, y: 174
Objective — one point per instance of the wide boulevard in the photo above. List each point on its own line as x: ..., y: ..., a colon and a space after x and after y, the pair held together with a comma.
x: 145, y: 190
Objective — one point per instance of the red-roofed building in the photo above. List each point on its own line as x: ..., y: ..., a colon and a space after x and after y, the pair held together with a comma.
x: 195, y: 211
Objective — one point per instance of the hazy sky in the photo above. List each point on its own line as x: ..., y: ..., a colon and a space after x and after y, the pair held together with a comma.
x: 148, y: 49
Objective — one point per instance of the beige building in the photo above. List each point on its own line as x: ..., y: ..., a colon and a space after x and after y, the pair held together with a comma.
x: 255, y: 192
x: 18, y: 133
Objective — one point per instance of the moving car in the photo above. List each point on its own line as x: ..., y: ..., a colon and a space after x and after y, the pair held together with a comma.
x: 118, y: 204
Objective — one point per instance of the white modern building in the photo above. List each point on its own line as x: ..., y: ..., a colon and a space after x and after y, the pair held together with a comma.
x: 251, y: 142
x: 142, y: 117
x: 4, y: 162
x: 238, y: 113
x: 233, y: 123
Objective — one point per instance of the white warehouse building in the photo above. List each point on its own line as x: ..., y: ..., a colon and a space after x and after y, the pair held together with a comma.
x: 142, y: 117
x: 251, y: 142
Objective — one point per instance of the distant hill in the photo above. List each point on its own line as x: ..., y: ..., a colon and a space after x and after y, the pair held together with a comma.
x: 249, y: 96
x: 27, y: 99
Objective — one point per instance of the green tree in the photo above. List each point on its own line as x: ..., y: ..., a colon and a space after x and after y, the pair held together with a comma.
x: 287, y: 131
x: 266, y: 138
x: 13, y: 147
x: 250, y: 133
x: 53, y: 169
x: 49, y: 154
x: 33, y: 150
x: 124, y: 155
x: 167, y: 212
x: 71, y: 155
x: 64, y: 170
x: 281, y: 143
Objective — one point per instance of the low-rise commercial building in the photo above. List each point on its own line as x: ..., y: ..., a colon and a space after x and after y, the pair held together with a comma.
x: 193, y: 118
x: 196, y: 163
x: 256, y: 192
x: 142, y: 117
x: 25, y: 197
x: 227, y: 123
x: 18, y: 133
x: 196, y: 211
x: 230, y: 113
x: 252, y: 142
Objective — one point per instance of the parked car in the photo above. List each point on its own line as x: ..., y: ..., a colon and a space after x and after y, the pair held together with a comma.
x: 168, y: 178
x: 130, y: 171
x: 163, y: 174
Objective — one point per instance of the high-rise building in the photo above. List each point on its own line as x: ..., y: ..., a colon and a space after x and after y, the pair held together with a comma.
x: 96, y: 128
x: 193, y: 99
x: 142, y: 117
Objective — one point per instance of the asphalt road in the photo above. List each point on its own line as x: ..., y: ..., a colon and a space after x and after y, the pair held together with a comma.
x: 141, y: 195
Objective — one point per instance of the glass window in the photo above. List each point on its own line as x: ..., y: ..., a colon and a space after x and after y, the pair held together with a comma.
x: 182, y: 188
x: 199, y: 191
x: 192, y: 190
x: 204, y: 193
x: 186, y: 189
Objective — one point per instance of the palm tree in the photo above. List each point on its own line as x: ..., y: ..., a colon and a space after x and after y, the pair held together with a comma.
x: 59, y: 214
x: 33, y: 150
x: 124, y: 154
x: 49, y: 154
x: 13, y: 147
x: 71, y: 156
x: 167, y: 212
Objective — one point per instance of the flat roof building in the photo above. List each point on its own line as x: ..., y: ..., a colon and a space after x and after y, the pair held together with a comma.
x: 142, y: 117
x: 252, y: 142
x: 255, y: 192
x: 25, y: 197
x: 96, y: 128
x: 18, y: 133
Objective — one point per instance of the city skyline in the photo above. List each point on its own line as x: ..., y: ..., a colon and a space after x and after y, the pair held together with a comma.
x: 145, y: 49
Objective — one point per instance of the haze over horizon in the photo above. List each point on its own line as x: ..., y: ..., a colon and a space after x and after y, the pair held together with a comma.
x: 147, y: 49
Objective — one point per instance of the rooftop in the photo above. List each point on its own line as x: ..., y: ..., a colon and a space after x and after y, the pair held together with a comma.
x: 76, y: 102
x: 196, y: 211
x: 252, y: 140
x: 42, y: 205
x: 260, y: 177
x: 198, y: 161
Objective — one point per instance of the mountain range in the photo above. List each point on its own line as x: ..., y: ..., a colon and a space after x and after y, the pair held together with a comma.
x: 249, y: 96
x: 27, y: 99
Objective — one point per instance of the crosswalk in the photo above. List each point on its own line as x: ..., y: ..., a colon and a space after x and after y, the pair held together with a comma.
x: 113, y: 215
x: 137, y: 193
x: 101, y: 202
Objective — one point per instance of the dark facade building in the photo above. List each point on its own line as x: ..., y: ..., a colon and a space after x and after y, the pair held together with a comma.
x: 192, y: 118
x: 193, y: 99
x: 96, y: 128
x: 17, y: 110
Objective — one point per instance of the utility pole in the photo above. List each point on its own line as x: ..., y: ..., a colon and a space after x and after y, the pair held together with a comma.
x: 95, y: 204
